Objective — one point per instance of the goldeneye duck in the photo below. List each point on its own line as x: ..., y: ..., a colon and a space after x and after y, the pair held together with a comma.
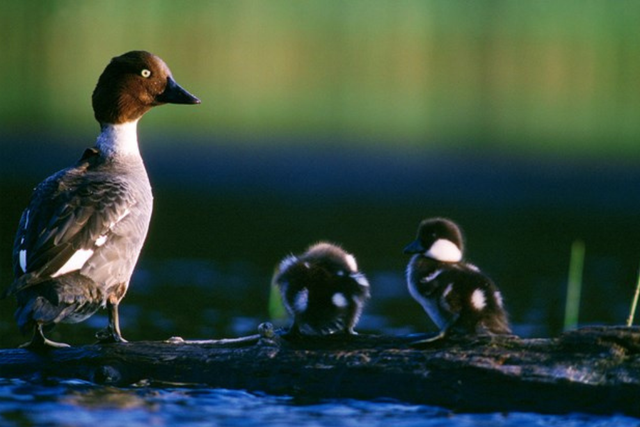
x: 322, y: 290
x: 80, y: 236
x: 456, y: 295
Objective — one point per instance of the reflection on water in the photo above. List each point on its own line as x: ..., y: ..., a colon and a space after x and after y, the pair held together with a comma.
x: 75, y: 403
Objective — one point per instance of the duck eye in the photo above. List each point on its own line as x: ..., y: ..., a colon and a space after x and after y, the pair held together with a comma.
x: 145, y: 73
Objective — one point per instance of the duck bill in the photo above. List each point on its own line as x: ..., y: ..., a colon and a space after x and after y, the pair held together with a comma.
x: 175, y: 94
x: 414, y: 247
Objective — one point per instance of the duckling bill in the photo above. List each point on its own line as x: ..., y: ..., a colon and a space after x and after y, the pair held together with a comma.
x: 322, y: 290
x: 81, y: 234
x: 456, y: 295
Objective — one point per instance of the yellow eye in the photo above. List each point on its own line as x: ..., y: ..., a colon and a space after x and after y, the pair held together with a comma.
x: 145, y: 73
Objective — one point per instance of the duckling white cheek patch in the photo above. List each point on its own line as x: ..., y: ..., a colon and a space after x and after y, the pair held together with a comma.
x: 444, y: 250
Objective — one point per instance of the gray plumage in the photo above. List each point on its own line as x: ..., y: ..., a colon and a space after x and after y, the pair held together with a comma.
x: 79, y: 239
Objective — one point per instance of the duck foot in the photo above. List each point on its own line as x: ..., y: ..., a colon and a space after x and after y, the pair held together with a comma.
x: 40, y: 343
x: 427, y: 341
x: 108, y: 336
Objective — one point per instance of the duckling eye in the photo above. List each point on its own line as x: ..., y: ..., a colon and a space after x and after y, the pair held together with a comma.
x: 145, y: 73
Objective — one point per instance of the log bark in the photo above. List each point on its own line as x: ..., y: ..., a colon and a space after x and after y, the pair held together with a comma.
x: 593, y: 370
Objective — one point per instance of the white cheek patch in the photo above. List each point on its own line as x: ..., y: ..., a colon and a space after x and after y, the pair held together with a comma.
x: 339, y: 300
x: 76, y: 262
x: 478, y: 299
x: 23, y: 260
x: 444, y: 250
x: 301, y: 301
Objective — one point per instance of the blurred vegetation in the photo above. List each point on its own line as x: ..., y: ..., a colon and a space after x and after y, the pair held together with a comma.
x: 513, y: 75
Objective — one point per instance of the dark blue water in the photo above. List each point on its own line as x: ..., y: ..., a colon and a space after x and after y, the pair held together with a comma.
x: 225, y: 216
x: 80, y: 404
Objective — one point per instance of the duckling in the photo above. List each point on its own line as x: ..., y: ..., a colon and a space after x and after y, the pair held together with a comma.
x: 81, y: 234
x: 322, y: 290
x: 456, y: 295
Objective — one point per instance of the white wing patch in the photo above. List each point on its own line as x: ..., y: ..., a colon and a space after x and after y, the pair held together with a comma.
x: 81, y: 256
x: 101, y: 240
x: 478, y: 299
x: 339, y: 300
x: 430, y: 277
x: 23, y: 260
x: 76, y: 262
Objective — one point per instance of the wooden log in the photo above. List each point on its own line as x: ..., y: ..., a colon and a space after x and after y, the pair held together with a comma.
x: 593, y: 370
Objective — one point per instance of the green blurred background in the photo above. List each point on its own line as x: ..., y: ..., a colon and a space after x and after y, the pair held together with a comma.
x: 542, y: 76
x: 347, y: 121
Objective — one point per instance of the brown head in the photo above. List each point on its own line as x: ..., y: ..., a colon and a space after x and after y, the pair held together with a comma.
x: 132, y: 84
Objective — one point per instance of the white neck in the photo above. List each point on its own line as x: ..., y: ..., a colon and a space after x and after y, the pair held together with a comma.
x: 119, y: 140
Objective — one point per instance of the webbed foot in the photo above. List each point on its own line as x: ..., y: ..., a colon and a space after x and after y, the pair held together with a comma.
x: 111, y: 334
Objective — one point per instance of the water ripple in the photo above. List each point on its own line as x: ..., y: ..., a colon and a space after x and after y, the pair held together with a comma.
x: 82, y: 404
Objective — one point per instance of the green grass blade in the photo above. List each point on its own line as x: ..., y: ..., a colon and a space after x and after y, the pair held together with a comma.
x: 634, y: 303
x: 574, y: 285
x: 277, y: 311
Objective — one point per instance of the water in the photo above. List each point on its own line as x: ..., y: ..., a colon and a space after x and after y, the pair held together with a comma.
x: 223, y: 219
x: 79, y: 404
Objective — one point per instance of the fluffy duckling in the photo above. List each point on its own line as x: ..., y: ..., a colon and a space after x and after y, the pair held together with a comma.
x: 456, y: 295
x: 322, y: 290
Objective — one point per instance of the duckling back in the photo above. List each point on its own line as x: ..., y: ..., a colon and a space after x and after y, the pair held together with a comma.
x: 322, y: 290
